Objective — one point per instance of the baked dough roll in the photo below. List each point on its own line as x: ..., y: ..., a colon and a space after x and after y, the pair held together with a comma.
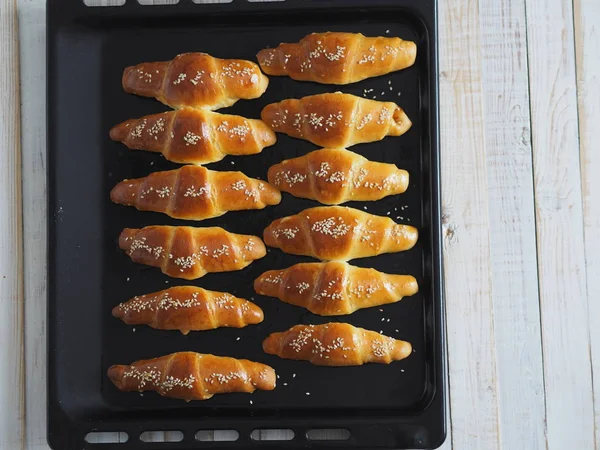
x: 334, y: 288
x: 333, y: 176
x: 338, y: 58
x: 336, y: 120
x: 188, y: 252
x: 194, y: 136
x: 197, y: 80
x: 192, y: 376
x: 339, y: 233
x: 195, y: 193
x: 188, y: 308
x: 336, y: 344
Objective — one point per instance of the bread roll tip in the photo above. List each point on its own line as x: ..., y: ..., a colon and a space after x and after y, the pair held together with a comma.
x: 115, y: 374
x: 253, y: 314
x: 271, y: 343
x: 119, y: 132
x: 402, y: 349
x: 124, y: 193
x: 126, y: 238
x: 118, y: 312
x: 401, y: 122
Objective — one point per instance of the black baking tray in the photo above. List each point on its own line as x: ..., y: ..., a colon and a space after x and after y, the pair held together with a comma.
x: 395, y: 406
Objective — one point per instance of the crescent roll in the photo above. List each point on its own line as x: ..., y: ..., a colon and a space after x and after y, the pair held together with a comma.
x: 194, y: 136
x: 188, y: 252
x: 187, y: 308
x: 334, y: 176
x: 338, y: 58
x: 339, y: 233
x: 197, y: 80
x: 336, y: 344
x: 334, y: 288
x: 336, y: 120
x: 195, y: 193
x: 192, y: 376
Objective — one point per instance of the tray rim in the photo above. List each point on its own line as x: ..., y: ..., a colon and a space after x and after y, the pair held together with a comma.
x: 61, y: 12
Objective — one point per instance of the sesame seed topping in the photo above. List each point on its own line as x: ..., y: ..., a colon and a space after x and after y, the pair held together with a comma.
x: 191, y: 138
x: 369, y: 57
x: 180, y: 78
x: 137, y: 130
x: 289, y: 233
x: 238, y: 185
x: 197, y: 78
x: 140, y: 244
x: 303, y: 286
x: 200, y: 192
x: 331, y: 228
x: 366, y: 119
x: 158, y: 127
x: 289, y: 178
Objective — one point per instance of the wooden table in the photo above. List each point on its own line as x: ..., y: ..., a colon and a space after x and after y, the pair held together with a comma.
x: 520, y: 100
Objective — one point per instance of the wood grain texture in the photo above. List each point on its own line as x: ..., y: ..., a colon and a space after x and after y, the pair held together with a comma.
x: 512, y: 224
x: 11, y: 251
x: 471, y: 346
x: 587, y: 56
x: 33, y: 118
x: 558, y: 205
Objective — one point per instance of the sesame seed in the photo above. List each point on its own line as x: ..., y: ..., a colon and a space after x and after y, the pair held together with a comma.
x: 387, y: 31
x: 308, y: 393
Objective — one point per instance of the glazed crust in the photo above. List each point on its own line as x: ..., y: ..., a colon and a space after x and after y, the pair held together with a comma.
x: 188, y: 252
x: 197, y: 80
x: 195, y: 193
x: 187, y: 308
x: 338, y: 58
x: 334, y: 176
x: 339, y: 233
x: 192, y: 376
x: 194, y: 136
x: 336, y: 120
x: 336, y: 344
x: 334, y: 288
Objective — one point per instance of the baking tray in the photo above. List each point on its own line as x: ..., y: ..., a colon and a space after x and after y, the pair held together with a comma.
x: 395, y: 406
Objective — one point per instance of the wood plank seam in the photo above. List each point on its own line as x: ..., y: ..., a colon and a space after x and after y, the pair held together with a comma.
x: 588, y: 104
x: 11, y: 370
x: 557, y: 184
x: 512, y: 223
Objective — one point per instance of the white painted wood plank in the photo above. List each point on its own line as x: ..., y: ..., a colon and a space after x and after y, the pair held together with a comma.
x: 512, y: 224
x: 11, y: 251
x: 33, y: 119
x: 587, y: 40
x: 558, y: 203
x: 471, y: 346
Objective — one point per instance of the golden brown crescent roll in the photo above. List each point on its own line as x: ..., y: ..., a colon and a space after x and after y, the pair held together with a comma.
x: 194, y: 136
x: 334, y: 288
x: 336, y: 120
x: 188, y: 252
x: 197, y: 80
x: 195, y: 193
x: 333, y: 176
x: 336, y: 344
x: 339, y: 233
x: 192, y: 376
x: 186, y: 308
x: 338, y: 58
